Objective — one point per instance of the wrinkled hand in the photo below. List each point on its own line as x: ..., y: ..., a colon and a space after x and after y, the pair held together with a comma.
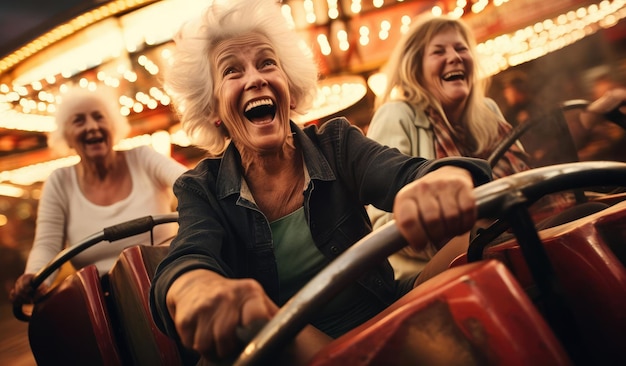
x: 207, y: 309
x: 436, y: 207
x: 23, y: 292
x: 609, y: 102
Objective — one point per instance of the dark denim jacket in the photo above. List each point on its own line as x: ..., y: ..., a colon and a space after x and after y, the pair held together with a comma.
x: 223, y: 232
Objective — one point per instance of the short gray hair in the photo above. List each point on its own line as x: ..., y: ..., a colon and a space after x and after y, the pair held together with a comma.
x: 75, y: 97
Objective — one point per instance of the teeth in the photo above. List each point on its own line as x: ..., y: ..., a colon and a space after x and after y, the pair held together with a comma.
x: 259, y: 102
x: 452, y: 74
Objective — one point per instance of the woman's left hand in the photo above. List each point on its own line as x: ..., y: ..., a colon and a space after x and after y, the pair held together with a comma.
x: 436, y: 207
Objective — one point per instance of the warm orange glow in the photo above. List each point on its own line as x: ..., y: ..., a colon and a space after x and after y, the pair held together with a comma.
x: 104, y: 41
x: 334, y: 95
x: 64, y: 30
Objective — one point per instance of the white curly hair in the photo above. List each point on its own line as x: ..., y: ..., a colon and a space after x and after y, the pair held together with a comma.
x: 76, y: 96
x: 188, y: 79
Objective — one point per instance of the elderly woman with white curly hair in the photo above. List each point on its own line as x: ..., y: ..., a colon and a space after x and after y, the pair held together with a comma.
x: 104, y: 188
x: 275, y: 203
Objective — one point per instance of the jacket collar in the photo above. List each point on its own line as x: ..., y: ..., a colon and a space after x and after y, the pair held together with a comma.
x: 229, y: 176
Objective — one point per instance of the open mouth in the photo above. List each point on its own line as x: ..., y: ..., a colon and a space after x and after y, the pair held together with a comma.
x: 94, y: 141
x: 260, y: 110
x: 454, y: 75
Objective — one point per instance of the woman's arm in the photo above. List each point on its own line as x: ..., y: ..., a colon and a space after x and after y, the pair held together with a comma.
x: 162, y: 168
x: 198, y: 245
x: 52, y: 215
x: 49, y: 240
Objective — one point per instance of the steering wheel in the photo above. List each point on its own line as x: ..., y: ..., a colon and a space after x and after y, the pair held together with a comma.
x: 507, y: 197
x: 111, y: 233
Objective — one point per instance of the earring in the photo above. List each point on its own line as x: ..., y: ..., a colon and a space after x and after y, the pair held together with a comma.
x: 218, y: 123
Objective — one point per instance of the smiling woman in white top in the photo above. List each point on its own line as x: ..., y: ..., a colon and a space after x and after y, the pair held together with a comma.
x: 104, y: 188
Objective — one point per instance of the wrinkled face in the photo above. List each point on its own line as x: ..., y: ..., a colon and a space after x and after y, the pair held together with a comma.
x: 252, y: 92
x: 88, y: 130
x: 447, y: 68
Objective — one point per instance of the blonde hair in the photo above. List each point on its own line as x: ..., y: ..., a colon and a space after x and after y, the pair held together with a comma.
x: 405, y: 79
x: 75, y: 97
x: 189, y: 80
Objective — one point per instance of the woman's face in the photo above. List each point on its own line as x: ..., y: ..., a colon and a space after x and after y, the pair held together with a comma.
x: 88, y: 130
x: 447, y: 68
x: 252, y: 92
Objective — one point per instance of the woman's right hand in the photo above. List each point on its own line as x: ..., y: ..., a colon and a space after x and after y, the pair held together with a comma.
x: 23, y: 292
x: 611, y: 100
x: 207, y: 309
x: 436, y: 207
x: 611, y: 103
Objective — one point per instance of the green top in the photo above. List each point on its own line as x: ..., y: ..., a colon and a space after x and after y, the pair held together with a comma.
x: 298, y: 260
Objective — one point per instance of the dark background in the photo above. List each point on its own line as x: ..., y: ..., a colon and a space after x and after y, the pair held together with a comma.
x: 20, y: 19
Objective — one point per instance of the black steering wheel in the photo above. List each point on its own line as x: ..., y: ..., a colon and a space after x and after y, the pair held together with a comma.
x: 507, y: 197
x: 110, y: 234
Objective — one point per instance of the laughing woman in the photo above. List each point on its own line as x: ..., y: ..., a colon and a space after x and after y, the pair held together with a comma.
x: 106, y: 187
x: 276, y: 203
x: 434, y: 106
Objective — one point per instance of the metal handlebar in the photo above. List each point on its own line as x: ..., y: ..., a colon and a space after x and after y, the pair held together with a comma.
x: 491, y: 198
x: 110, y: 234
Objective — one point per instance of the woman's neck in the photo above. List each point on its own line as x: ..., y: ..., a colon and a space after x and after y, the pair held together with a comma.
x: 106, y: 181
x: 276, y: 181
x: 99, y: 170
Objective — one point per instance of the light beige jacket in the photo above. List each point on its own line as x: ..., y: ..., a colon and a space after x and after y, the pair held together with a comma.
x: 397, y: 124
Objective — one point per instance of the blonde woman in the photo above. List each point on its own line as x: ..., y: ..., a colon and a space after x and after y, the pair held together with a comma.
x: 434, y: 106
